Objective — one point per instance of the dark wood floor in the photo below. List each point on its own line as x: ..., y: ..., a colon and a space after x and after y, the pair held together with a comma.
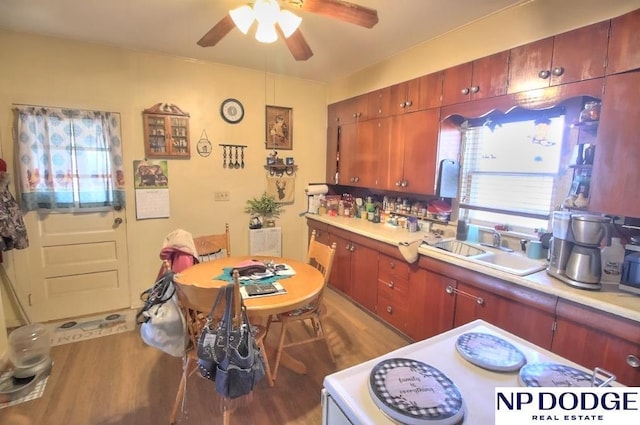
x: 119, y: 380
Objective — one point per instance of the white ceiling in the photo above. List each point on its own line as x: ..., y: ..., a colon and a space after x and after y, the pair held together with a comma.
x: 174, y: 26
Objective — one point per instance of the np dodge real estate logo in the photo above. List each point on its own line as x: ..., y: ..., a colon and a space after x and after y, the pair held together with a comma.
x: 568, y: 405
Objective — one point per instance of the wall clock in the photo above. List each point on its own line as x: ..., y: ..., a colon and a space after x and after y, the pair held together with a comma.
x: 232, y: 111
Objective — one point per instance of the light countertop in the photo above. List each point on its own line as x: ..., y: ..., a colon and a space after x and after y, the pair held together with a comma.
x: 609, y: 299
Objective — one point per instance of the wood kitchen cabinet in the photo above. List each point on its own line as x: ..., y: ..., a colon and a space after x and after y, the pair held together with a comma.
x: 322, y: 231
x: 349, y: 111
x: 624, y: 43
x: 394, y: 292
x: 594, y: 338
x: 405, y: 97
x: 617, y: 150
x: 352, y: 272
x: 431, y: 90
x: 480, y: 79
x: 379, y: 103
x: 573, y: 56
x: 166, y: 132
x: 430, y: 305
x: 411, y: 152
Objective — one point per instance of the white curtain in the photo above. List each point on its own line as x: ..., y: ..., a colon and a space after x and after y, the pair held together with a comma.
x: 69, y: 158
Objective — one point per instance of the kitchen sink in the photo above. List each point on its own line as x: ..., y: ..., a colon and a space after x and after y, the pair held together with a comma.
x: 460, y: 248
x: 511, y: 262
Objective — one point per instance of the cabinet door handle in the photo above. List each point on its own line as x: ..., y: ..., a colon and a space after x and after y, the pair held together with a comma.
x: 356, y: 179
x: 558, y: 71
x: 451, y: 290
x: 404, y: 183
x: 391, y: 284
x: 544, y: 74
x: 403, y: 104
x: 465, y: 90
x: 408, y: 103
x: 633, y: 361
x: 348, y: 247
x: 352, y: 248
x: 398, y: 183
x: 475, y: 89
x: 389, y: 309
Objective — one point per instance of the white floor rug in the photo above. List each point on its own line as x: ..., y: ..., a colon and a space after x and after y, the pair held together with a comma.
x: 74, y: 330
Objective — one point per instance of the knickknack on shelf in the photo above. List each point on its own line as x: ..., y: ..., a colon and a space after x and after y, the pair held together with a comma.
x: 166, y: 132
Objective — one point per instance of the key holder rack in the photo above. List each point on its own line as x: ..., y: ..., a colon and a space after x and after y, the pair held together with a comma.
x: 231, y: 157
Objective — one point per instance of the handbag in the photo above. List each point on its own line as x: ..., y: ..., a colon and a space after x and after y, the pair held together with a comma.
x: 228, y: 354
x: 162, y: 323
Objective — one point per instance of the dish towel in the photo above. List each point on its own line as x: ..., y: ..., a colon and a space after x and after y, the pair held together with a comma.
x: 409, y: 250
x: 227, y: 277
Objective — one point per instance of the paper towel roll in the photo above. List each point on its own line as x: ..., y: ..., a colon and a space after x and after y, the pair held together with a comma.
x: 316, y: 189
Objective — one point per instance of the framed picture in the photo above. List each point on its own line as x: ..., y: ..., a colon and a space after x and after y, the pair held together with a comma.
x: 279, y: 127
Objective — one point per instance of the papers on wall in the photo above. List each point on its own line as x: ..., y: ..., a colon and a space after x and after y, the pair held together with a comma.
x: 151, y: 182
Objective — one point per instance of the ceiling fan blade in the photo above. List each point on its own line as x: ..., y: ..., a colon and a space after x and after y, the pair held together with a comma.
x: 218, y: 32
x: 297, y: 45
x: 343, y: 11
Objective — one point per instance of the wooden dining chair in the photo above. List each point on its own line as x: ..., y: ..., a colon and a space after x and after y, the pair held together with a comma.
x: 196, y: 303
x: 321, y: 257
x: 210, y: 247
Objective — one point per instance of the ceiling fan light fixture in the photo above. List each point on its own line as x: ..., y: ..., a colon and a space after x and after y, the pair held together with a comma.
x: 266, y: 33
x: 289, y: 22
x: 266, y: 11
x: 243, y: 17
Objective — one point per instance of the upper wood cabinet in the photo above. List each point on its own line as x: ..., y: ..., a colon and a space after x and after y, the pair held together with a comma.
x: 348, y: 111
x: 411, y: 152
x: 379, y: 103
x: 480, y: 79
x: 624, y: 43
x: 569, y: 57
x: 405, y: 97
x: 431, y: 90
x: 617, y: 148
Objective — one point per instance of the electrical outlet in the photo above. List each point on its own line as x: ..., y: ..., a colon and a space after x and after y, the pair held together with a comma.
x: 222, y: 196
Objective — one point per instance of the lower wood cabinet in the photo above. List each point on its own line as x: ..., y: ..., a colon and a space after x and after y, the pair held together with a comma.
x: 430, y: 296
x: 431, y: 304
x: 594, y: 338
x: 516, y: 309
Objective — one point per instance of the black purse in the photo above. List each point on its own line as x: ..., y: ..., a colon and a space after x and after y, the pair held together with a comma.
x: 227, y: 354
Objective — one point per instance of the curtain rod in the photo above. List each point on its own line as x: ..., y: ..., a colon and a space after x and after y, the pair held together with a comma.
x: 62, y: 107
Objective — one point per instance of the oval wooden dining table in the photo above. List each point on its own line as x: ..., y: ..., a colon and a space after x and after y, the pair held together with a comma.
x: 302, y: 287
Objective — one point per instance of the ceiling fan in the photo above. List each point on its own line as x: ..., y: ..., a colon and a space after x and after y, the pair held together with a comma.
x: 295, y: 41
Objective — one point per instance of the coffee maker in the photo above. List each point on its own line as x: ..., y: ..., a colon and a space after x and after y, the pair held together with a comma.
x: 575, y: 248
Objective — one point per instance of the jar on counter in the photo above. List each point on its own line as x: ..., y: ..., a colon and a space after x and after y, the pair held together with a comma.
x: 591, y: 112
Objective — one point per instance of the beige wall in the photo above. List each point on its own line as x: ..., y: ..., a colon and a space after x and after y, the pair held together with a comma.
x: 54, y: 72
x: 512, y: 27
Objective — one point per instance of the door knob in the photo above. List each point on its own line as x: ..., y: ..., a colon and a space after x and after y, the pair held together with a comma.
x: 117, y: 222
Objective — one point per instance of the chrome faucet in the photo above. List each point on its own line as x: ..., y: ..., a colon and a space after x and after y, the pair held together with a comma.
x: 497, y: 239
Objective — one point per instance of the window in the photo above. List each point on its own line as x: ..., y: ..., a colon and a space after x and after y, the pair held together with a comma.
x: 69, y: 159
x: 510, y: 168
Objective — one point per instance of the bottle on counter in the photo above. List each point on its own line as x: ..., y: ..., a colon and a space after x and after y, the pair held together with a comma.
x: 612, y: 259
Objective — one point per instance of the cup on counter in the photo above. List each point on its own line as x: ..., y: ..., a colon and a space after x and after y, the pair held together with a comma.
x: 534, y: 250
x: 473, y: 234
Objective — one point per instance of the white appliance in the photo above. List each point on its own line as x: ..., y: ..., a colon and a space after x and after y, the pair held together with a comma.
x: 346, y: 399
x: 266, y: 241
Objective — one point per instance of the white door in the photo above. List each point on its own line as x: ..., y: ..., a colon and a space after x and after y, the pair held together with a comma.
x: 76, y: 264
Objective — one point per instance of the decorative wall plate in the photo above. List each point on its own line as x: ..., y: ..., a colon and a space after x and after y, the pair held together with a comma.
x: 555, y: 375
x: 490, y: 352
x: 415, y: 393
x: 232, y: 111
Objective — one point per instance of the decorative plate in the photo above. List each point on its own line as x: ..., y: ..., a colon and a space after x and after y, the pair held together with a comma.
x: 232, y: 111
x: 415, y: 393
x: 554, y: 375
x: 490, y: 352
